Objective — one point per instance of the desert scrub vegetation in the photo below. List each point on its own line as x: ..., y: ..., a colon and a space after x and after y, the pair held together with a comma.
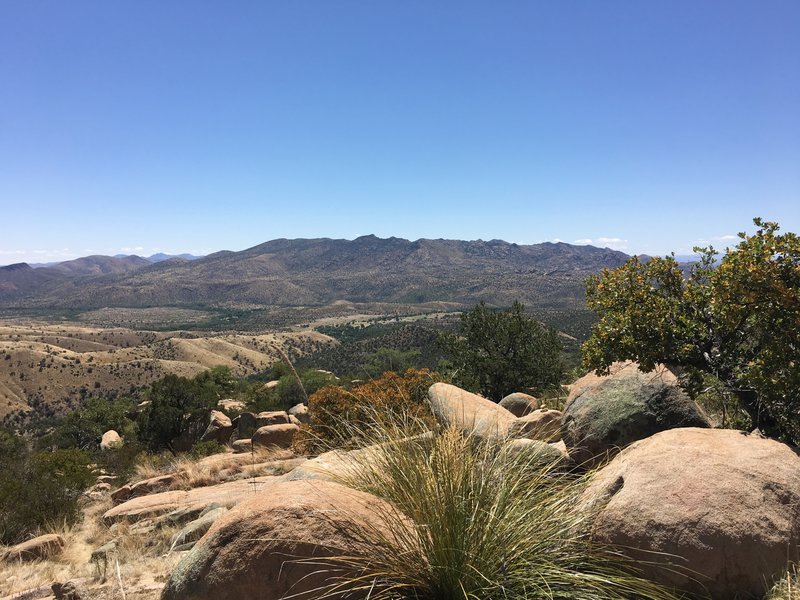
x: 384, y: 398
x: 38, y: 489
x: 487, y: 523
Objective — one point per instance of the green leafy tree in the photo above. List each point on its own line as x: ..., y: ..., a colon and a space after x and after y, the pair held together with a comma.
x: 179, y: 407
x: 500, y: 352
x: 737, y: 319
x: 84, y: 427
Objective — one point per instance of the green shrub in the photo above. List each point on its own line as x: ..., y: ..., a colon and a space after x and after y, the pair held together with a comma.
x: 38, y: 490
x: 486, y: 524
x: 179, y: 407
x: 388, y: 396
x: 83, y: 428
x: 203, y: 449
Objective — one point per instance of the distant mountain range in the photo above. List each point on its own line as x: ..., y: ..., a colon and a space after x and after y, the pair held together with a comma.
x: 153, y: 258
x: 307, y: 272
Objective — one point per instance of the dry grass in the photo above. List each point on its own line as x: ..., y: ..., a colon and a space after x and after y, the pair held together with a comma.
x: 788, y: 588
x: 143, y: 559
x: 190, y: 473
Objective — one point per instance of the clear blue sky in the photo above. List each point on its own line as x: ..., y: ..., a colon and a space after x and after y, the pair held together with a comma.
x: 198, y: 126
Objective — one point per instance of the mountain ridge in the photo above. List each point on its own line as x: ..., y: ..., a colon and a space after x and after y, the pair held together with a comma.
x: 318, y: 271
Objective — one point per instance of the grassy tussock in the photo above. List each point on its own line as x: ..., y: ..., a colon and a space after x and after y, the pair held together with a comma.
x: 488, y: 524
x: 788, y: 588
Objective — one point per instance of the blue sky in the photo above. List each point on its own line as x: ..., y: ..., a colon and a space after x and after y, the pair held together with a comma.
x: 196, y: 126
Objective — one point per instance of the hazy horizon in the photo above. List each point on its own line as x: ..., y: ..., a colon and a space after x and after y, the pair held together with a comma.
x: 143, y: 128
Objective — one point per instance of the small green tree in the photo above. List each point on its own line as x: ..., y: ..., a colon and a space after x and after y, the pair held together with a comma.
x: 738, y: 319
x: 500, y: 352
x: 38, y: 489
x: 179, y: 407
x: 84, y: 427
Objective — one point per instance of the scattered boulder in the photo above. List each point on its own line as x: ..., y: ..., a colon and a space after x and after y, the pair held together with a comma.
x: 335, y: 465
x: 300, y: 412
x: 605, y: 414
x: 340, y: 465
x: 542, y: 424
x: 153, y: 485
x: 241, y: 446
x: 271, y: 385
x: 726, y: 502
x: 535, y: 452
x: 38, y: 548
x: 519, y: 404
x: 220, y: 428
x: 275, y: 545
x: 230, y: 405
x: 277, y: 436
x: 110, y: 440
x: 468, y: 412
x: 271, y: 417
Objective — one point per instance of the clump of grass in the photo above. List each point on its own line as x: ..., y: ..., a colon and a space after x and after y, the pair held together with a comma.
x: 488, y: 524
x: 788, y: 588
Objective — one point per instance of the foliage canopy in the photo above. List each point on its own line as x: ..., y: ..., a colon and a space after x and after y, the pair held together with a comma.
x: 738, y: 319
x: 179, y: 407
x: 500, y: 352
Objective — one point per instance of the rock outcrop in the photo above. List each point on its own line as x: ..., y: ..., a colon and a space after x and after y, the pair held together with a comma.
x: 468, y: 412
x: 542, y: 424
x: 39, y: 548
x: 726, y: 502
x: 519, y: 404
x: 219, y: 428
x: 279, y: 544
x: 275, y: 436
x: 300, y: 412
x: 605, y: 414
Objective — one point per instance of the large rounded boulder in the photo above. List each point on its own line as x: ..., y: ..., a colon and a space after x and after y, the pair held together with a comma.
x: 605, y: 414
x: 275, y: 436
x: 281, y: 543
x: 711, y: 510
x: 468, y: 412
x: 519, y: 404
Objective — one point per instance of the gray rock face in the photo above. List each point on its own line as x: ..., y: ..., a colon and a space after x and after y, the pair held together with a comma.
x: 720, y: 509
x: 519, y: 404
x: 193, y: 531
x: 608, y: 413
